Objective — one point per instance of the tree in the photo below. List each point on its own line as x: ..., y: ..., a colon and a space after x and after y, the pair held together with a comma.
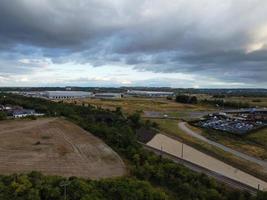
x: 2, y: 115
x: 118, y: 110
x: 193, y: 100
x: 135, y: 119
x: 186, y: 99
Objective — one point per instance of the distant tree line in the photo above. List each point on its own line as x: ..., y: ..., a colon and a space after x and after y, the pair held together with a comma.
x: 226, y: 104
x: 219, y: 96
x: 145, y: 168
x: 217, y: 101
x: 228, y: 92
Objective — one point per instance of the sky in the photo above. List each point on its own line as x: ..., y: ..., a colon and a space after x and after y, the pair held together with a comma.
x: 168, y: 43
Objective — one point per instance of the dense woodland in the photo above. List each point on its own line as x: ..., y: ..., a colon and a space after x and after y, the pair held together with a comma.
x: 150, y: 176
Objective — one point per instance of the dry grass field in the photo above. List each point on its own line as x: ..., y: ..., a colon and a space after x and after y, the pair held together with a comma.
x: 130, y: 105
x: 55, y: 147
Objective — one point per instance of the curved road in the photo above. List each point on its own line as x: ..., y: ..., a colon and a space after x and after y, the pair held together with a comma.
x: 182, y: 126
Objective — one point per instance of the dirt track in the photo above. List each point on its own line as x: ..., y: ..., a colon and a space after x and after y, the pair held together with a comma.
x: 56, y: 147
x: 174, y: 147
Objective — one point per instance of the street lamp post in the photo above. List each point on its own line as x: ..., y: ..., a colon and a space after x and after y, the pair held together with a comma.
x: 161, y: 152
x: 64, y: 184
x: 182, y: 153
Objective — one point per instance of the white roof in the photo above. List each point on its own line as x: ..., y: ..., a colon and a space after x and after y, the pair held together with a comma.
x: 109, y: 93
x: 68, y: 93
x: 147, y: 92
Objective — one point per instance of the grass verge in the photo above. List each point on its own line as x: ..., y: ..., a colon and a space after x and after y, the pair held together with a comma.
x: 171, y: 127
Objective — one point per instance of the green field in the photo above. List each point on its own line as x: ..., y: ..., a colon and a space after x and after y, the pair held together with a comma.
x: 253, y: 144
x: 259, y: 137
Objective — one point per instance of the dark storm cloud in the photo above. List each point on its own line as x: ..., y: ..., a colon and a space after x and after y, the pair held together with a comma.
x: 30, y: 22
x: 222, y: 39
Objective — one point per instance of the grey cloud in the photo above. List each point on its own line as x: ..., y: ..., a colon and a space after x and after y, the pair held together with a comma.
x: 209, y: 38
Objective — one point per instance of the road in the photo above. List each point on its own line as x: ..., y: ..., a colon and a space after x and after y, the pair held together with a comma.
x: 187, y: 153
x: 197, y: 168
x: 183, y: 127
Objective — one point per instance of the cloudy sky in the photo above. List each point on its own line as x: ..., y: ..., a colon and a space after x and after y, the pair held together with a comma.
x: 176, y: 43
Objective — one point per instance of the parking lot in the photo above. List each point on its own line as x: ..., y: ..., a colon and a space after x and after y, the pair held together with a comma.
x: 233, y: 123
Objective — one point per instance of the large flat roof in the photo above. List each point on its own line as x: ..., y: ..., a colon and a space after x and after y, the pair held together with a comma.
x: 68, y: 93
x: 148, y: 92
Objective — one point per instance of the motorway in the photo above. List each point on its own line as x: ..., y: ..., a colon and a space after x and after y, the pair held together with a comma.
x: 183, y: 127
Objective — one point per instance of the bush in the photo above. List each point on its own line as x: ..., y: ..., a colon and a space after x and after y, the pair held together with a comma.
x: 186, y: 99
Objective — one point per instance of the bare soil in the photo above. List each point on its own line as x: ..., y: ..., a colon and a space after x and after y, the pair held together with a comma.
x: 55, y: 147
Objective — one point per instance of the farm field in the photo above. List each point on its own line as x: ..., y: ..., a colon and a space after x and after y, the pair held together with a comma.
x: 174, y: 147
x: 55, y: 146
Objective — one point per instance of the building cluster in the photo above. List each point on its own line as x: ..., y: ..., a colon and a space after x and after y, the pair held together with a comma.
x: 68, y: 94
x: 80, y: 94
x: 235, y: 122
x: 18, y: 111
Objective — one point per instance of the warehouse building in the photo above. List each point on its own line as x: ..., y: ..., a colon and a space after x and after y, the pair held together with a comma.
x: 67, y: 94
x: 140, y: 93
x: 107, y: 95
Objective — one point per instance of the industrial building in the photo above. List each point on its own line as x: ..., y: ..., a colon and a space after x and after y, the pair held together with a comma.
x: 14, y: 111
x: 107, y: 95
x: 67, y: 94
x: 19, y: 113
x: 140, y: 93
